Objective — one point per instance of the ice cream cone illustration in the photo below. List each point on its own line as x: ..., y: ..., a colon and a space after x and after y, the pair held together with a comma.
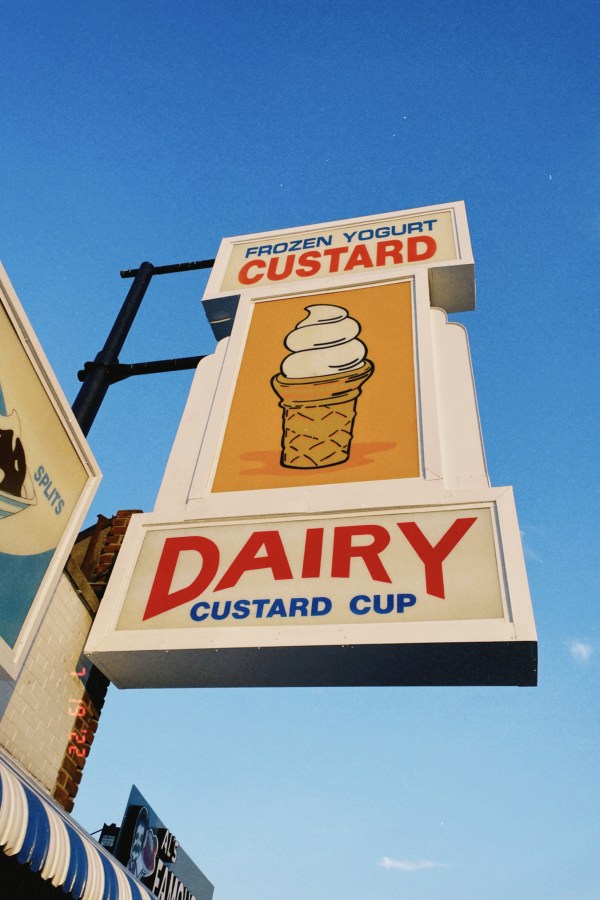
x: 319, y: 384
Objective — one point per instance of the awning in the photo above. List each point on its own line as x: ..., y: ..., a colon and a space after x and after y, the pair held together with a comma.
x: 39, y: 834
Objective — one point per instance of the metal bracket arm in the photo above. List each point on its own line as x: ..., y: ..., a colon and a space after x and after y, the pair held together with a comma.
x: 115, y: 372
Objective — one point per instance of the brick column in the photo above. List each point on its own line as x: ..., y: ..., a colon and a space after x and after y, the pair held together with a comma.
x: 88, y: 696
x: 86, y: 714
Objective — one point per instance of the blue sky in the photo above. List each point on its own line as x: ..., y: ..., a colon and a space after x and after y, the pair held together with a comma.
x: 150, y: 130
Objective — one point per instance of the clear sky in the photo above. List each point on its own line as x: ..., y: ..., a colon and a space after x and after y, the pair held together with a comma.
x: 150, y: 130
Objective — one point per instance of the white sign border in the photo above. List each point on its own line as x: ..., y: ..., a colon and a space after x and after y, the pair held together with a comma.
x: 115, y: 651
x: 464, y: 254
x: 187, y: 483
x: 12, y: 659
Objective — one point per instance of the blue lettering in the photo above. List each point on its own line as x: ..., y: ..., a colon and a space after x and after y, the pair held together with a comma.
x: 299, y: 604
x: 280, y: 248
x: 354, y: 608
x: 361, y: 604
x: 382, y: 232
x: 366, y: 234
x: 349, y: 236
x: 241, y: 609
x: 277, y: 609
x: 260, y: 605
x: 51, y: 493
x: 396, y: 230
x: 251, y: 251
x: 264, y: 250
x: 195, y: 613
x: 405, y: 600
x: 320, y: 606
x: 379, y: 608
x: 323, y: 241
x: 216, y: 614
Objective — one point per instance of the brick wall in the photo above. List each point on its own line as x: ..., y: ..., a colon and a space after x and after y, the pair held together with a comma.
x: 84, y: 716
x: 50, y: 714
x: 36, y: 722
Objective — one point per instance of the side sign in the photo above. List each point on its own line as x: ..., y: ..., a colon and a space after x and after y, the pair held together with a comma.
x: 47, y: 480
x: 153, y: 855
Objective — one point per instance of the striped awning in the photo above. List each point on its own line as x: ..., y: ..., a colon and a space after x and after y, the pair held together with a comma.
x: 39, y: 834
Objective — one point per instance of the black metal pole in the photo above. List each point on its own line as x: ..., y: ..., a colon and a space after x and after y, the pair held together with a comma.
x: 97, y: 379
x: 176, y: 267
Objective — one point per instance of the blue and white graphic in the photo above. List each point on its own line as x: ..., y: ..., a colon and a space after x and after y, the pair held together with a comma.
x: 47, y: 479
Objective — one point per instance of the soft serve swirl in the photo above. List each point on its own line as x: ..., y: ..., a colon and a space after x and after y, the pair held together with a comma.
x: 324, y: 343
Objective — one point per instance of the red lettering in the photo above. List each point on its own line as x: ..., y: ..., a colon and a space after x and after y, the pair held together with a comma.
x: 391, y: 249
x: 244, y: 276
x: 433, y: 556
x: 247, y: 559
x: 312, y: 264
x: 359, y: 257
x: 313, y: 552
x: 160, y: 600
x: 344, y: 550
x: 412, y: 248
x: 334, y: 254
x: 288, y: 266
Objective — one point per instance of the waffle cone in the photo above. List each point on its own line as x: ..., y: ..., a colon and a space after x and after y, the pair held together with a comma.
x: 318, y: 416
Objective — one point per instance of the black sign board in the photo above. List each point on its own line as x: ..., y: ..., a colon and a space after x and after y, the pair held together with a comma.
x: 151, y: 852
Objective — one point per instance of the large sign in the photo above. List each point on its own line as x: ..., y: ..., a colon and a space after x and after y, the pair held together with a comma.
x: 399, y: 564
x: 153, y: 855
x: 326, y: 515
x: 48, y: 478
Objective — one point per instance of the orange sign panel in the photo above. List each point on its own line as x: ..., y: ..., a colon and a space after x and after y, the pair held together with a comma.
x: 325, y: 392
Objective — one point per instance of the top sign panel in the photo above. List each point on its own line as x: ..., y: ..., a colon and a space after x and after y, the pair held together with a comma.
x: 366, y: 249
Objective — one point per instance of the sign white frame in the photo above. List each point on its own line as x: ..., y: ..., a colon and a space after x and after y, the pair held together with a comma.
x: 186, y: 487
x: 130, y: 657
x: 12, y: 658
x: 451, y: 281
x: 452, y: 476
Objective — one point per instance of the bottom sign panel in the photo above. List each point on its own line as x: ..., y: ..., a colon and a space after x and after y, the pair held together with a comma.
x: 427, y: 595
x: 481, y: 663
